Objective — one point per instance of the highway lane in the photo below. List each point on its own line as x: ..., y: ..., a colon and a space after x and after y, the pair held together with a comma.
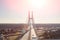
x: 33, y: 34
x: 30, y: 33
x: 25, y: 37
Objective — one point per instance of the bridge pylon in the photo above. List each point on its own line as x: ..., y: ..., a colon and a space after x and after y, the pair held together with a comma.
x: 30, y: 18
x: 32, y: 34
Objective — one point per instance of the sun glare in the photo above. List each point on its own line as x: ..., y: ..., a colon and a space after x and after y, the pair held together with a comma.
x: 37, y: 3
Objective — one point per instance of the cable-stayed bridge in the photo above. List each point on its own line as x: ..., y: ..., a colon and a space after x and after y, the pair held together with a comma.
x: 30, y: 35
x: 33, y: 33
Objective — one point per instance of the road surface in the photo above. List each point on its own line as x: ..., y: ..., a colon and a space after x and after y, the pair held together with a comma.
x: 30, y: 33
x: 25, y: 37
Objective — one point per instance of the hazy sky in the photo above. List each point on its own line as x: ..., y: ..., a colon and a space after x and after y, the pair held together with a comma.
x: 16, y: 11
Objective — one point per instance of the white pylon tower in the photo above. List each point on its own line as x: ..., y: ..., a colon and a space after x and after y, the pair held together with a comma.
x: 30, y: 18
x: 30, y: 25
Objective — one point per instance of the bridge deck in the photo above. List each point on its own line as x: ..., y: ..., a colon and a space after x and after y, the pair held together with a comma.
x: 30, y: 33
x: 25, y: 37
x: 33, y: 34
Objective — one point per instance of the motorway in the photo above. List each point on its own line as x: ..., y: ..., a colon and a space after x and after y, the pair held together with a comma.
x: 30, y: 35
x: 25, y: 37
